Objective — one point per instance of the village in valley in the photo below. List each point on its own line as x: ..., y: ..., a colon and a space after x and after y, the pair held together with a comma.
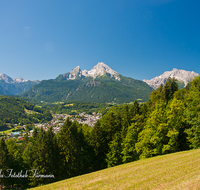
x: 17, y: 131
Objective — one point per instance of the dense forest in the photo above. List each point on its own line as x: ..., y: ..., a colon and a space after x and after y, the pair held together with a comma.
x: 167, y: 123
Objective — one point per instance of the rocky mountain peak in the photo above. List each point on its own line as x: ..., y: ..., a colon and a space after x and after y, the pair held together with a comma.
x: 179, y: 74
x: 76, y: 69
x: 98, y: 70
x: 74, y: 73
x: 20, y: 79
x: 5, y: 78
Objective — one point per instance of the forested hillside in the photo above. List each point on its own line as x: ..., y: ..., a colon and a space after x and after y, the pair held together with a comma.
x: 101, y: 89
x: 167, y: 123
x: 51, y: 90
x: 13, y: 110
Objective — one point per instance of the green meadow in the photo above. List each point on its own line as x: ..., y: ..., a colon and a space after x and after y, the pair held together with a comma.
x: 172, y: 171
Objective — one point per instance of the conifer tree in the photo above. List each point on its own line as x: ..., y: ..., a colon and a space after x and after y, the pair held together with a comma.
x: 170, y: 87
x: 134, y: 109
x: 110, y: 126
x: 5, y: 163
x: 73, y: 150
x: 100, y: 145
x: 14, y: 150
x: 126, y: 121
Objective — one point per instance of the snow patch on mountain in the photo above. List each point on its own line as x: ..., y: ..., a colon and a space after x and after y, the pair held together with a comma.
x: 180, y: 75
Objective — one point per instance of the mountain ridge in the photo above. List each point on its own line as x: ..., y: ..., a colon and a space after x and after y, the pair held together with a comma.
x: 179, y: 74
x: 10, y: 86
x: 8, y: 79
x: 100, y: 84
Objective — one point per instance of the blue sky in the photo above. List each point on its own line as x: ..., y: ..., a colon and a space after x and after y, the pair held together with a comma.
x: 138, y: 39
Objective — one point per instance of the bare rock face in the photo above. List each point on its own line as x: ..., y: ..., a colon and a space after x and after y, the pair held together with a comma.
x: 75, y: 72
x: 98, y: 70
x: 93, y: 83
x: 180, y: 75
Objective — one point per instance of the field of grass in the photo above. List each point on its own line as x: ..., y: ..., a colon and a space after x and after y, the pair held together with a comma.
x: 173, y: 171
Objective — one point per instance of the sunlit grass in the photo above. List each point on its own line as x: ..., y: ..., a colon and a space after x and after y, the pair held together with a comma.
x: 69, y: 105
x: 173, y: 171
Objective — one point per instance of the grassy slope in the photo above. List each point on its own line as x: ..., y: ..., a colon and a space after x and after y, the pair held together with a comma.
x: 173, y: 171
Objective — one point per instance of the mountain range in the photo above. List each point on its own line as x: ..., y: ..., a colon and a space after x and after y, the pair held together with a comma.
x: 9, y: 86
x: 100, y: 84
x: 183, y: 77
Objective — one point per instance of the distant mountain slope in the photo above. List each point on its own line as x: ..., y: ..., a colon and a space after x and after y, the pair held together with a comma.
x: 3, y: 91
x: 181, y: 75
x: 52, y: 90
x: 9, y: 86
x: 108, y: 90
x: 100, y: 84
